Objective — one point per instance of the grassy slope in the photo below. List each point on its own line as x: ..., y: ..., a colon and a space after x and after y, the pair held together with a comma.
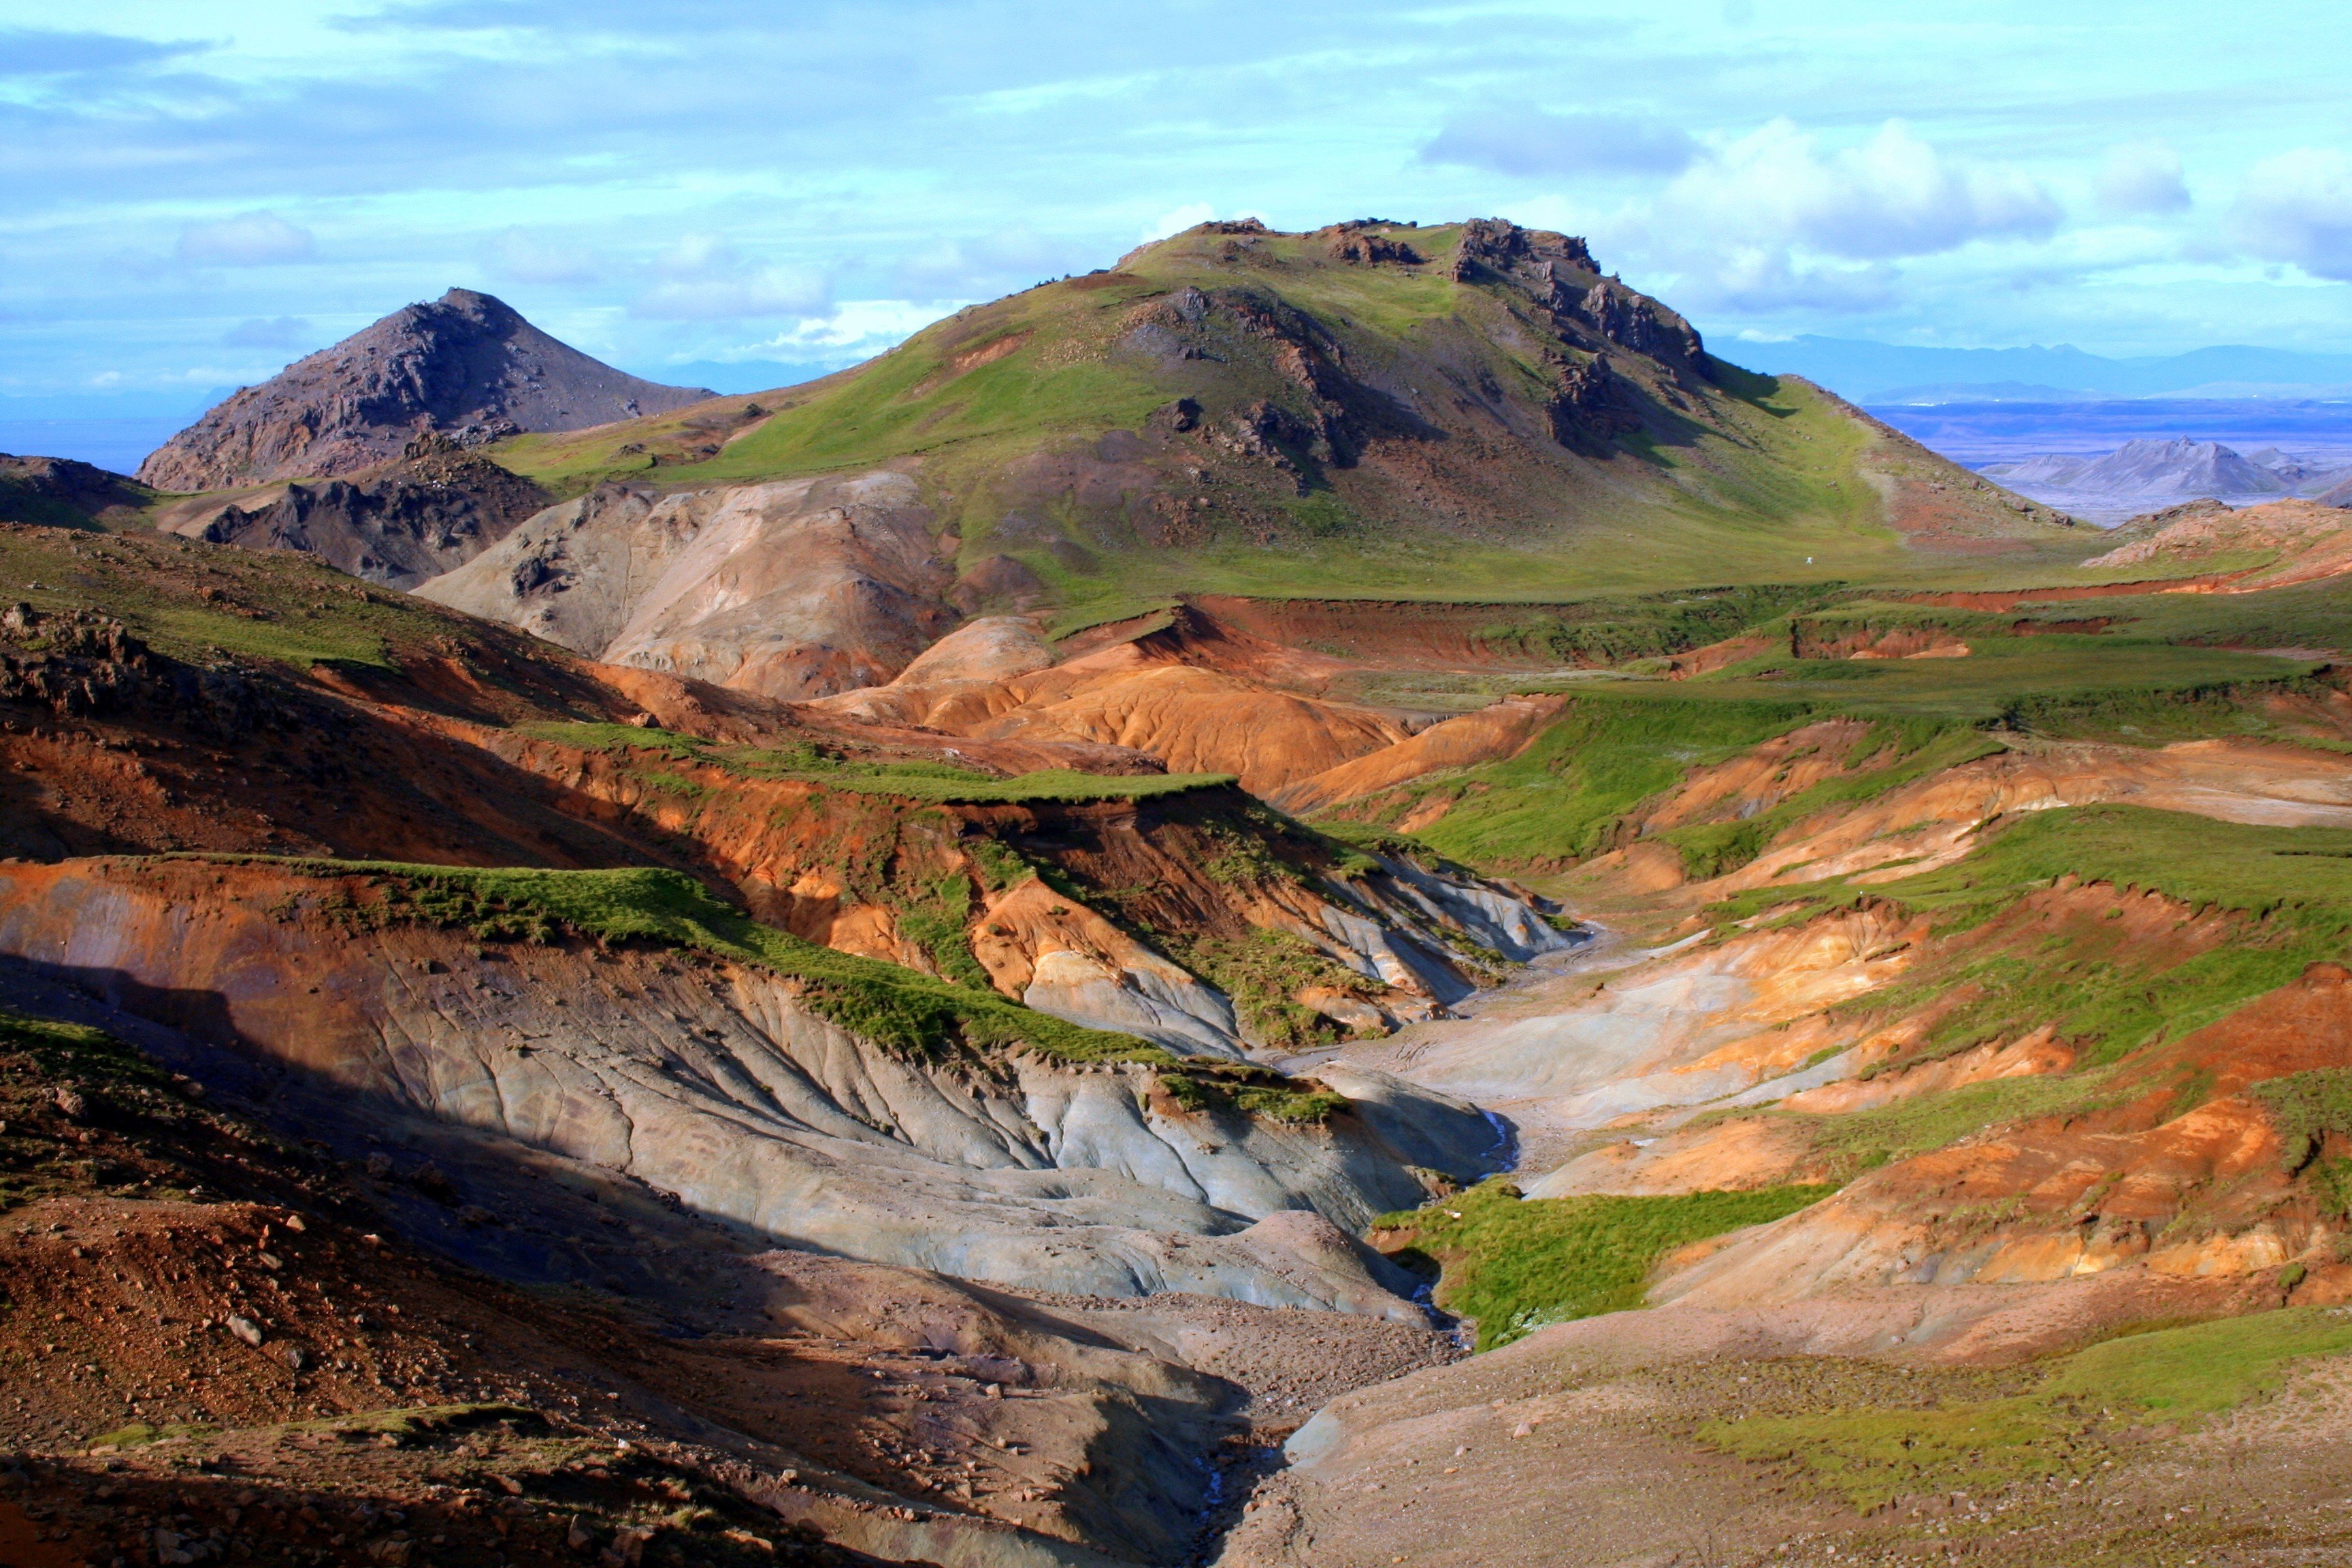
x: 2288, y: 892
x: 196, y: 602
x: 938, y: 784
x: 1764, y: 484
x: 1623, y: 742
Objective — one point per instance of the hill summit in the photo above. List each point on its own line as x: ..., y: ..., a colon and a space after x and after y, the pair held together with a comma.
x: 466, y: 364
x: 1468, y: 410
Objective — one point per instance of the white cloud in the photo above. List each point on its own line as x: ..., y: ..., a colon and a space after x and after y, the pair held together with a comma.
x: 1520, y: 140
x: 2297, y: 208
x: 274, y: 332
x: 518, y: 256
x: 1177, y: 220
x: 2141, y: 177
x: 248, y: 240
x: 703, y: 277
x: 856, y: 323
x: 1894, y: 195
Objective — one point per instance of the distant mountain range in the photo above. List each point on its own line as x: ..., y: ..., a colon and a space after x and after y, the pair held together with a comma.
x: 1892, y: 372
x: 2148, y: 476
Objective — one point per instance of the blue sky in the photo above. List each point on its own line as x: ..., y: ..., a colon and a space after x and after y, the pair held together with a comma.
x: 197, y: 194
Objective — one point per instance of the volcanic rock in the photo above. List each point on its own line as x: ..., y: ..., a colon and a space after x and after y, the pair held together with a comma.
x: 399, y: 526
x: 465, y: 363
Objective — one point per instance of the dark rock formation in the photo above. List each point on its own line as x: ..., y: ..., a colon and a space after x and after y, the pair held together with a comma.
x: 466, y: 364
x: 1359, y: 240
x: 1639, y: 324
x: 401, y: 526
x: 1492, y: 249
x: 63, y: 493
x: 82, y: 663
x: 1594, y: 405
x: 1557, y: 274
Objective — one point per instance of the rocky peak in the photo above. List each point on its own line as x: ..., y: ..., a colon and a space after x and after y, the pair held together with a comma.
x: 1492, y: 247
x: 467, y: 365
x: 1639, y: 324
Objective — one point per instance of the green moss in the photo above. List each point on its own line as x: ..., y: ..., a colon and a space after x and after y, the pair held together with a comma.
x: 1206, y: 1084
x: 2307, y: 1108
x: 999, y: 864
x: 2075, y: 1416
x: 1261, y: 972
x: 1892, y: 753
x: 199, y: 603
x: 1560, y: 798
x: 603, y: 737
x: 938, y: 921
x: 139, y: 1434
x: 1514, y: 1264
x: 66, y: 1052
x: 2104, y: 990
x: 1859, y: 1141
x: 1610, y: 631
x: 941, y: 784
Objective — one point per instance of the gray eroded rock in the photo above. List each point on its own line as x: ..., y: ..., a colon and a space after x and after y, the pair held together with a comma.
x: 717, y: 1082
x: 801, y: 588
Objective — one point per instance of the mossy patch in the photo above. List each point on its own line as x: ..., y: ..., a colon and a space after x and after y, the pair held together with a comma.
x: 2074, y: 1415
x: 1262, y: 972
x: 1515, y: 1264
x: 1204, y: 1083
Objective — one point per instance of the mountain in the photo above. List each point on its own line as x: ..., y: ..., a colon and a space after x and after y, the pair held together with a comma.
x: 466, y: 364
x: 2177, y: 467
x: 923, y: 1126
x: 1870, y: 371
x: 2146, y: 476
x: 1468, y: 411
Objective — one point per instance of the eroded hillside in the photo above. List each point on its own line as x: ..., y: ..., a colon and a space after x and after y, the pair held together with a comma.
x: 1970, y: 1015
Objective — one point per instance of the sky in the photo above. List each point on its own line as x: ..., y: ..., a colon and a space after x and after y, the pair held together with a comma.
x: 196, y: 195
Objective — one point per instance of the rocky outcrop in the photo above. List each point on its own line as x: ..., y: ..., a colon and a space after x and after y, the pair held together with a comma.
x: 1639, y: 324
x: 717, y: 1081
x: 466, y: 364
x: 1594, y: 405
x: 2307, y: 541
x: 1491, y: 247
x: 400, y: 526
x: 82, y: 664
x: 800, y: 588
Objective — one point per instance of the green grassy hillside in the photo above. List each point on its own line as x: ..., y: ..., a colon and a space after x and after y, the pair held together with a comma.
x: 1241, y: 411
